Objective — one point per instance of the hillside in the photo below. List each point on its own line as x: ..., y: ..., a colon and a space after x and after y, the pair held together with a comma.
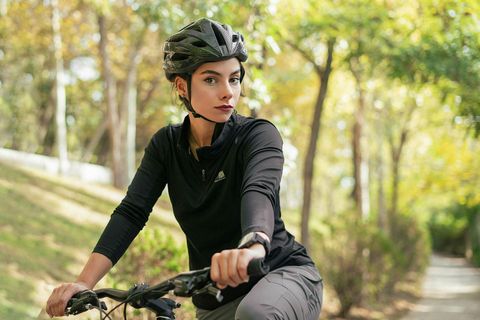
x: 48, y: 226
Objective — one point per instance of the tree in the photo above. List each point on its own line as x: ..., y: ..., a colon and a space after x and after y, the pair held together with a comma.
x: 61, y: 133
x: 397, y: 145
x: 121, y: 115
x: 307, y: 41
x: 444, y: 50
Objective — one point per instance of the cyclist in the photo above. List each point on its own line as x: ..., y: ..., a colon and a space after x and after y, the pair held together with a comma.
x: 223, y: 173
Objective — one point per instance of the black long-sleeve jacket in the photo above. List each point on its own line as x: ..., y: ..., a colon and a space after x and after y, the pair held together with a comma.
x: 231, y: 190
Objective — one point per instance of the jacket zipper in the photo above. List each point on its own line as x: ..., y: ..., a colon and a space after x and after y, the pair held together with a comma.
x: 203, y: 175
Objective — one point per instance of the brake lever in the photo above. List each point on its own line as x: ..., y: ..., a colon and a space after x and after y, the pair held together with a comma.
x: 186, y: 284
x: 84, y: 301
x: 211, y: 290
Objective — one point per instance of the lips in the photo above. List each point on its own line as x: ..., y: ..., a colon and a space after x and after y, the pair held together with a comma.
x: 225, y: 107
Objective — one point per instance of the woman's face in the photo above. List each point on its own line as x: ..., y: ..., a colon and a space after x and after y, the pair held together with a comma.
x: 216, y: 89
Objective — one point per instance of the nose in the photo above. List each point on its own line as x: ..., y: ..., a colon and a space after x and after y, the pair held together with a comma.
x: 226, y: 92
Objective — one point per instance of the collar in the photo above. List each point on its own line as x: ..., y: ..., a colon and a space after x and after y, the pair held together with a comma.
x: 222, y: 135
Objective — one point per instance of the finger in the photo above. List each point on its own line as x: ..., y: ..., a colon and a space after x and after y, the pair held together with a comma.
x: 214, y: 268
x: 52, y: 301
x: 215, y: 271
x: 233, y: 275
x: 223, y: 265
x: 59, y: 306
x: 242, y: 265
x: 63, y: 295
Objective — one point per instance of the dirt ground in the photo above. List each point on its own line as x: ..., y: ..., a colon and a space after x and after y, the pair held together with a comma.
x: 451, y: 290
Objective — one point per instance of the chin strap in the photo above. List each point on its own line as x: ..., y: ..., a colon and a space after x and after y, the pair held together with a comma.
x: 189, y: 107
x: 187, y: 103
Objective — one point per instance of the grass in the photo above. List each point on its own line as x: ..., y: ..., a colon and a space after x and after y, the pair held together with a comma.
x: 48, y: 226
x: 36, y: 245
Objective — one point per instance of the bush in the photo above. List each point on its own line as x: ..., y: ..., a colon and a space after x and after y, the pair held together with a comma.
x: 153, y: 257
x: 449, y: 228
x: 474, y: 239
x: 412, y: 246
x: 361, y: 263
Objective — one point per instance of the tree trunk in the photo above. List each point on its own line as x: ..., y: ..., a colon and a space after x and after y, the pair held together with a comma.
x: 396, y: 154
x: 308, y: 170
x: 61, y: 133
x: 131, y: 127
x: 3, y: 7
x: 45, y: 122
x: 252, y: 27
x: 115, y: 136
x: 357, y: 129
x: 383, y: 223
x: 93, y: 143
x: 149, y: 94
x: 129, y: 106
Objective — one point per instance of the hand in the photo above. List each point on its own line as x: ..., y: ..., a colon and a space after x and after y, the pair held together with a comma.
x: 57, y: 302
x: 229, y: 267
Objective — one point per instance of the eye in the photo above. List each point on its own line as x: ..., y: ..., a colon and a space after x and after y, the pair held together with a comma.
x: 235, y: 80
x: 210, y: 80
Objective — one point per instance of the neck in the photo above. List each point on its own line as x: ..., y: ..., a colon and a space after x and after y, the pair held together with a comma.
x: 201, y: 131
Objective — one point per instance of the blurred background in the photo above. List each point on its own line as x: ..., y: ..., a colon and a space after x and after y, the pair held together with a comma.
x: 378, y: 105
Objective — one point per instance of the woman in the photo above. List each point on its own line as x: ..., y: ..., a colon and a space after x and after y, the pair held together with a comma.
x: 223, y: 174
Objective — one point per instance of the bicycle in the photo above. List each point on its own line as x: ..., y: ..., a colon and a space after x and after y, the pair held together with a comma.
x: 186, y: 284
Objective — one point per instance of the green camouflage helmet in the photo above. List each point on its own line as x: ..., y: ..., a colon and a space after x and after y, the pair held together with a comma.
x: 201, y: 41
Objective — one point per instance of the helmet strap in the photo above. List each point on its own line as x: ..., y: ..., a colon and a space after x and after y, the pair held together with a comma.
x: 187, y: 103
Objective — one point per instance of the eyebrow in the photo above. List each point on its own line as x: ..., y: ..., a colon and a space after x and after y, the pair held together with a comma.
x: 218, y: 73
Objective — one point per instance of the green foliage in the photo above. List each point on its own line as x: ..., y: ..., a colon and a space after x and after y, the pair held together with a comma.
x: 474, y: 238
x: 361, y: 263
x: 338, y: 251
x: 444, y: 50
x: 412, y: 243
x: 153, y: 256
x: 451, y: 226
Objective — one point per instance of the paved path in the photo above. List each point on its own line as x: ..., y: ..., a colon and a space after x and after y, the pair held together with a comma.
x: 451, y: 291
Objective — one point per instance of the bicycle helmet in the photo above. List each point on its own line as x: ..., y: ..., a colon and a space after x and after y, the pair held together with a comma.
x: 201, y: 41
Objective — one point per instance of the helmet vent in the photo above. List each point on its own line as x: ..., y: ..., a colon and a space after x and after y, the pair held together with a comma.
x: 218, y: 35
x: 199, y: 44
x: 196, y: 27
x: 179, y: 57
x: 178, y: 38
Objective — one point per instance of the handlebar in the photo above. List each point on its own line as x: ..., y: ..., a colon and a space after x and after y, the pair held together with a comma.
x: 186, y: 284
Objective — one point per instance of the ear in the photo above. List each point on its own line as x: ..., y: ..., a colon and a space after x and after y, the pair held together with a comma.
x: 181, y: 85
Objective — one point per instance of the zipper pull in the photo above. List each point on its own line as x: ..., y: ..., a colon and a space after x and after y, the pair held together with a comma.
x: 203, y: 175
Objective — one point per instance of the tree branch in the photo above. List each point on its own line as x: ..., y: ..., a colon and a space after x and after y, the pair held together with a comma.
x: 308, y: 57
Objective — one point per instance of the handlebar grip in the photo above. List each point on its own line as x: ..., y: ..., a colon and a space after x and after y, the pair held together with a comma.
x: 257, y: 268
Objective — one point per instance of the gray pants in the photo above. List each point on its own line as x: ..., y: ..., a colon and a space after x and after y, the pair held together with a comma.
x: 292, y: 292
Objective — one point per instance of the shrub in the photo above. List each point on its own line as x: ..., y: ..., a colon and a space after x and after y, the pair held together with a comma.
x: 338, y: 251
x: 361, y: 263
x: 448, y: 229
x: 154, y: 256
x: 412, y: 247
x: 456, y: 230
x: 474, y: 238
